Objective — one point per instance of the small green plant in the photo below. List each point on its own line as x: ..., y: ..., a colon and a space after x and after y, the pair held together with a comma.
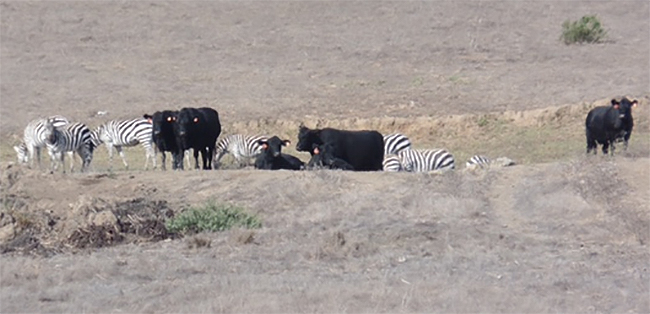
x: 483, y: 121
x: 211, y: 217
x: 588, y: 29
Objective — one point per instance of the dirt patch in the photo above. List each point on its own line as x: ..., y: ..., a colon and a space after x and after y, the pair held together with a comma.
x: 43, y: 228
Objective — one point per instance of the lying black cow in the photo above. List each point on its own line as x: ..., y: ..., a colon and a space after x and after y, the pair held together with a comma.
x: 363, y: 150
x: 164, y: 138
x: 605, y: 124
x: 272, y: 157
x: 198, y: 129
x: 322, y: 158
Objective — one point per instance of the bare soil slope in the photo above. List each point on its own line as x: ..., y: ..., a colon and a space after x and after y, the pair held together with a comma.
x: 569, y: 237
x: 559, y: 232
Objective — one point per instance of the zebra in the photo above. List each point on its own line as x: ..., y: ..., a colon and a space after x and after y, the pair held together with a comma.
x: 478, y: 161
x: 242, y: 147
x: 126, y: 133
x: 34, y: 139
x: 437, y: 160
x: 72, y: 137
x: 395, y: 143
x: 392, y: 163
x: 482, y: 162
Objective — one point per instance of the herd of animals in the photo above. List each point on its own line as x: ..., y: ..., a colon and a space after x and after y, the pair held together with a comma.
x: 198, y: 130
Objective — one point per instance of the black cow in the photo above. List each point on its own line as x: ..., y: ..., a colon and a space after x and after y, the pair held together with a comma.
x: 628, y: 121
x: 164, y: 138
x: 363, y: 150
x: 322, y: 158
x: 605, y: 124
x: 198, y: 129
x: 272, y: 157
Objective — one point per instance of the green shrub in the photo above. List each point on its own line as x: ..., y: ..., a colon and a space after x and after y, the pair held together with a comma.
x: 588, y: 29
x: 212, y: 217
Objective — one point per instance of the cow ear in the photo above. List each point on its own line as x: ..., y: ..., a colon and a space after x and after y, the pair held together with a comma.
x: 286, y: 142
x: 196, y: 119
x: 615, y: 102
x: 265, y: 146
x: 634, y: 103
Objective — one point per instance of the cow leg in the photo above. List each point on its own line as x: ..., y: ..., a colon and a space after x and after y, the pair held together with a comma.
x: 210, y: 152
x: 162, y: 160
x: 591, y: 145
x: 606, y: 147
x: 196, y: 158
x: 207, y: 162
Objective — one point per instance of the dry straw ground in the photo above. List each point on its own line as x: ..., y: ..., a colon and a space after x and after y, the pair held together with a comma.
x: 558, y: 232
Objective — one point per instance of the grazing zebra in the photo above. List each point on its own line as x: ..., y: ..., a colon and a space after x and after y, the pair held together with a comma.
x: 395, y: 143
x: 72, y: 137
x: 438, y: 160
x: 126, y: 133
x: 482, y: 162
x: 242, y: 147
x: 392, y: 163
x: 34, y: 138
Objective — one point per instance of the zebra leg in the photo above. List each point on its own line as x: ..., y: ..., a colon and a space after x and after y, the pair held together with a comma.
x: 71, y: 155
x: 109, y: 147
x: 62, y: 159
x: 121, y: 152
x: 38, y: 155
x: 86, y: 157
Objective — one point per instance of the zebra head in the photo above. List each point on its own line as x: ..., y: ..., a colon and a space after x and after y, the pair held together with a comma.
x: 50, y: 131
x: 99, y: 135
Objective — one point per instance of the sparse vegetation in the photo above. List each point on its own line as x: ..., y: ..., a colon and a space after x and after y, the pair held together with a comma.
x: 588, y: 29
x: 212, y: 217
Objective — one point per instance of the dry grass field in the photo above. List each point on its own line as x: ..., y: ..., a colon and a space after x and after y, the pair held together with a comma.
x: 558, y: 232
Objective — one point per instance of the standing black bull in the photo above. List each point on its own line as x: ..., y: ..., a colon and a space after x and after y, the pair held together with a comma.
x: 198, y: 129
x: 605, y: 124
x: 164, y: 138
x: 363, y: 150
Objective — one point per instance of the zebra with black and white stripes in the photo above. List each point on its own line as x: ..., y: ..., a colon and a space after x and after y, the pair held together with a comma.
x: 72, y: 137
x: 126, y: 133
x: 482, y: 162
x: 392, y: 163
x: 436, y: 160
x: 478, y: 161
x: 242, y: 147
x: 34, y: 138
x: 395, y: 143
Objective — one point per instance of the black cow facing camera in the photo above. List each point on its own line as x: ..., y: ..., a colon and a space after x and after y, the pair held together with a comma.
x: 272, y: 157
x: 198, y: 129
x: 607, y: 124
x: 164, y: 138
